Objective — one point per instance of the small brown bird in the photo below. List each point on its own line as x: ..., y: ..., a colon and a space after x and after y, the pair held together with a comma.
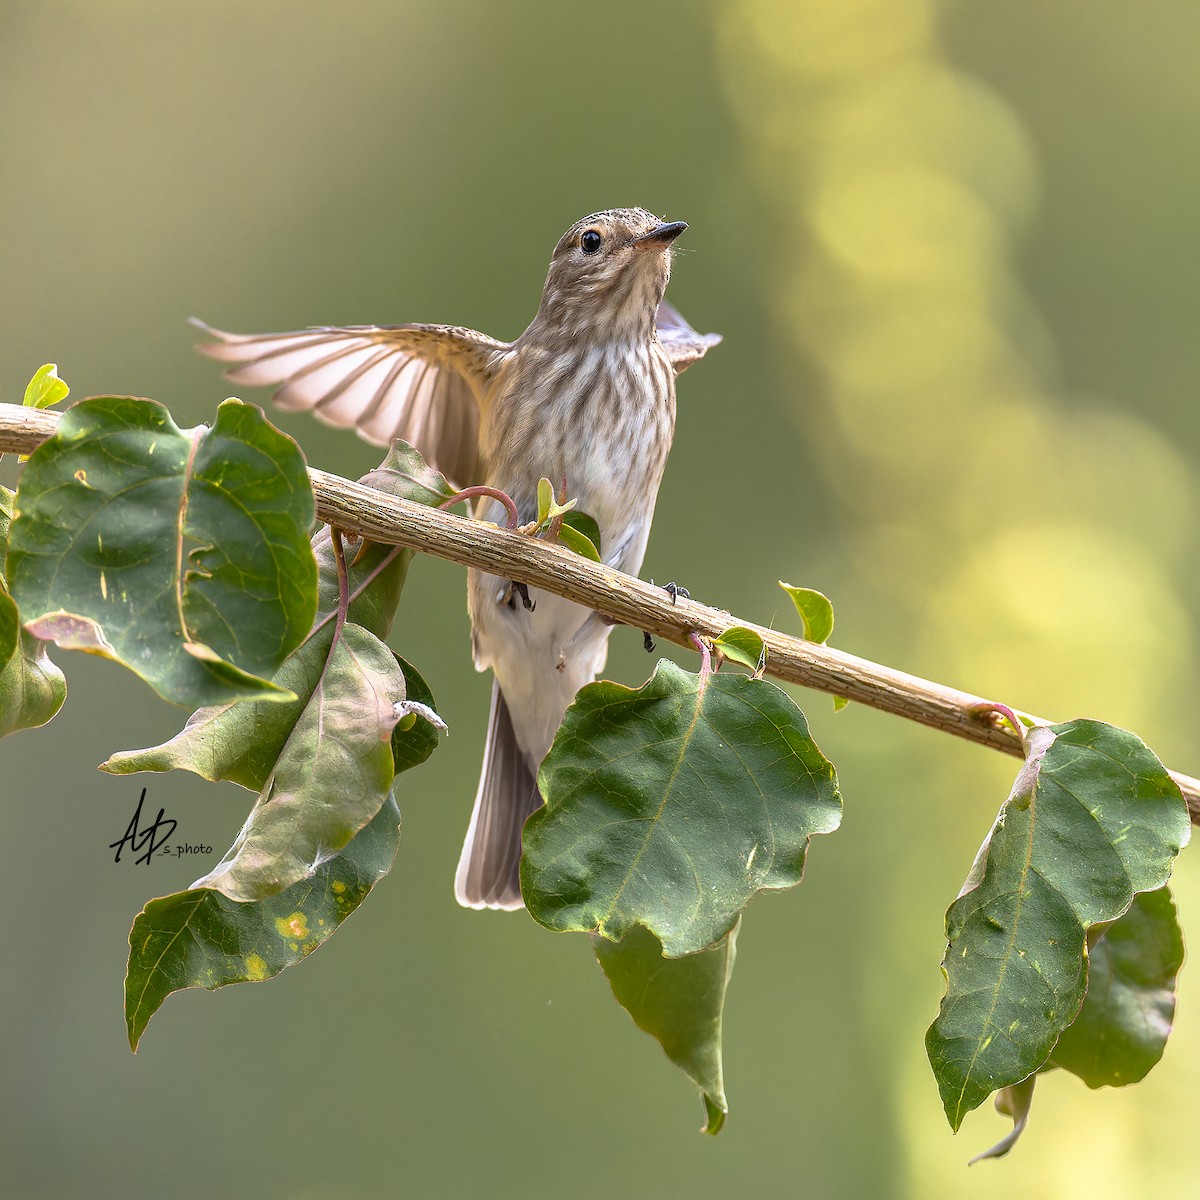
x: 585, y: 394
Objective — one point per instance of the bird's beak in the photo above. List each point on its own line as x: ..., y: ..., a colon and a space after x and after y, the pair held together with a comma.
x: 660, y: 235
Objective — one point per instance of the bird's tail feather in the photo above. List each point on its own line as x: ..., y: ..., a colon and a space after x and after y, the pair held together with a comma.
x: 489, y: 871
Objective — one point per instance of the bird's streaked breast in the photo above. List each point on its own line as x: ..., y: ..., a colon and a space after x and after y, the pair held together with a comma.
x: 600, y: 414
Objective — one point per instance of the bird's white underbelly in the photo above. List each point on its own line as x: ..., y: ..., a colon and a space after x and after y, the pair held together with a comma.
x: 541, y: 656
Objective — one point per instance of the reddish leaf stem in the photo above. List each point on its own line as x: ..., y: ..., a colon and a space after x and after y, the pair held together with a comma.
x: 993, y: 709
x: 482, y: 489
x: 343, y: 608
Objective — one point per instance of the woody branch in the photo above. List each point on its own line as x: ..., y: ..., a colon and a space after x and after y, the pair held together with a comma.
x: 361, y: 510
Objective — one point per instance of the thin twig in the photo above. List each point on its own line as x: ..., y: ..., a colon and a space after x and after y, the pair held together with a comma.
x: 626, y: 600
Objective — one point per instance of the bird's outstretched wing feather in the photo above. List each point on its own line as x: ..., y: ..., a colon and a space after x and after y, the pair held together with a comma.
x: 682, y: 343
x: 422, y: 383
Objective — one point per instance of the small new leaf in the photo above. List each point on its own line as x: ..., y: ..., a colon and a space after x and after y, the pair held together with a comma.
x: 678, y: 1001
x: 580, y: 533
x: 200, y: 938
x: 548, y: 507
x: 545, y: 501
x: 815, y: 609
x: 45, y: 388
x: 742, y: 645
x: 672, y: 805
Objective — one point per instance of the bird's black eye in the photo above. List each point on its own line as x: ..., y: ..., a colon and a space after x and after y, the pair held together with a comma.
x: 590, y: 241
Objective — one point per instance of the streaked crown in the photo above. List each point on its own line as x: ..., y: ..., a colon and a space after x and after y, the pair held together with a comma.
x: 608, y: 274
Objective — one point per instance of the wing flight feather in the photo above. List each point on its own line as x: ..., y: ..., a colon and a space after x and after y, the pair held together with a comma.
x: 422, y: 383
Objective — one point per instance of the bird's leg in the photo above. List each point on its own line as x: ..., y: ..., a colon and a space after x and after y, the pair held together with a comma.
x: 523, y: 591
x: 472, y: 493
x: 674, y: 591
x: 517, y: 589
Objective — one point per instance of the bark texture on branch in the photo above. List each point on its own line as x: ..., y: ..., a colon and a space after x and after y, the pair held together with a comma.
x: 383, y: 518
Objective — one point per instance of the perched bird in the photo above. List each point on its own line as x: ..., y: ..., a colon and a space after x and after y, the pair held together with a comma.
x: 587, y: 395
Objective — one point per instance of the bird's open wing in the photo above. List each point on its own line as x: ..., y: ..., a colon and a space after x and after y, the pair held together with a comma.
x: 682, y: 343
x: 422, y: 383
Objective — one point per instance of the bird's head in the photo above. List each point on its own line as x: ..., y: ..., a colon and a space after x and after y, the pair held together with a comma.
x: 608, y: 274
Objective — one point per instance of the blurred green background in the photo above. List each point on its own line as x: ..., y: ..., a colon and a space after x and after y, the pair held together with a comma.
x: 952, y: 248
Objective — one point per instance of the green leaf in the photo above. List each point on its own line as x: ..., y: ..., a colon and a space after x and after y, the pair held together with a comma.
x: 678, y: 1001
x: 671, y: 805
x: 330, y: 779
x: 200, y: 938
x: 1123, y: 1026
x: 744, y: 646
x: 232, y: 742
x: 242, y: 743
x: 414, y: 739
x: 1092, y: 820
x: 1122, y: 1029
x: 324, y: 762
x: 404, y: 472
x: 45, y: 388
x: 183, y: 555
x: 10, y: 621
x: 32, y: 688
x: 573, y: 539
x: 10, y: 626
x: 7, y: 503
x: 377, y: 572
x: 815, y: 609
x: 578, y: 525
